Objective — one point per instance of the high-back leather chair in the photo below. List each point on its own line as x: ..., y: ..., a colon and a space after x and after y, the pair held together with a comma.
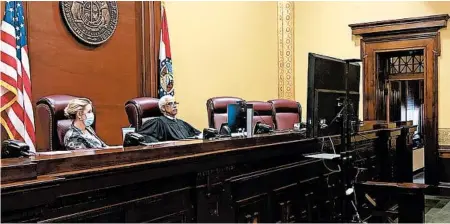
x: 263, y: 112
x: 217, y: 110
x: 286, y: 113
x: 141, y: 109
x: 53, y: 123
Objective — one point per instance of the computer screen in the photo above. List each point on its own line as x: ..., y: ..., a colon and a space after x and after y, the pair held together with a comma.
x: 236, y: 117
x: 326, y: 84
x: 327, y: 110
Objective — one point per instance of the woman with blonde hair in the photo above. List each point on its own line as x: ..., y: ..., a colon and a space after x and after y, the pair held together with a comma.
x: 81, y: 135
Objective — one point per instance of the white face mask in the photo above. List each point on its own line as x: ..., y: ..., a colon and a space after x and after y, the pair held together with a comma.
x: 89, y: 119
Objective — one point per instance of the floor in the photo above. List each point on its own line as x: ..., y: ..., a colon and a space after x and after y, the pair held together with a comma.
x: 437, y: 208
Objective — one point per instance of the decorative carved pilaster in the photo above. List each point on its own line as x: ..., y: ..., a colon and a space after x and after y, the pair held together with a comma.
x: 286, y: 70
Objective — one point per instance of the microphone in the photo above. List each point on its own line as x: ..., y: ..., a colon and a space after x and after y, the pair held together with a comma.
x: 133, y: 139
x: 225, y: 131
x: 210, y: 133
x: 261, y: 128
x: 262, y: 118
x: 14, y: 149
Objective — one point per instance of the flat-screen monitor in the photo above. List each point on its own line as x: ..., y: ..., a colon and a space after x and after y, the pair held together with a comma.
x: 326, y: 85
x: 236, y: 113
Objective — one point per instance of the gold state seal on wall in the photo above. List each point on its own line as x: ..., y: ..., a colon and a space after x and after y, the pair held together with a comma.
x: 92, y: 22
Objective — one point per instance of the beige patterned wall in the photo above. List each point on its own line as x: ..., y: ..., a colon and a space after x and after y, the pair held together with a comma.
x: 444, y: 136
x: 286, y: 71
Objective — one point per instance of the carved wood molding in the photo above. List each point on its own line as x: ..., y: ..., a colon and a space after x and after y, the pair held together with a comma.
x: 407, y: 25
x: 149, y: 24
x: 286, y: 69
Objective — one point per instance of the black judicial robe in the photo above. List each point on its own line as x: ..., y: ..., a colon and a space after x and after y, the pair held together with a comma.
x: 166, y: 129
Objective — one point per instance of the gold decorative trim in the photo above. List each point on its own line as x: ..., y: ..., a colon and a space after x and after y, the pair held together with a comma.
x: 286, y: 85
x: 444, y: 136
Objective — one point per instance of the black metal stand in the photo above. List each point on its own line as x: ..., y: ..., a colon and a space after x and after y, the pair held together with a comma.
x: 346, y: 157
x: 346, y: 135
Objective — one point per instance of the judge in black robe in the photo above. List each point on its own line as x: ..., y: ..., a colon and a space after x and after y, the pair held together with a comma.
x: 167, y: 127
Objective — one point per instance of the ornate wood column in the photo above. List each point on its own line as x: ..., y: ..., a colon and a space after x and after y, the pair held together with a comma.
x: 286, y: 69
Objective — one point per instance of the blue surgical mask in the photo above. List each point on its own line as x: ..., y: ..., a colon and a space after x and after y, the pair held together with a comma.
x: 89, y: 119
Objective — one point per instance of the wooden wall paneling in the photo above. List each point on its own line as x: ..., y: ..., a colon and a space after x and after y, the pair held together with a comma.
x: 151, y: 24
x: 109, y: 74
x: 105, y: 74
x: 140, y: 38
x: 155, y: 21
x: 2, y: 8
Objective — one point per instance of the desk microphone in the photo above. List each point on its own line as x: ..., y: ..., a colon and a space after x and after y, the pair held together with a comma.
x: 14, y: 149
x: 210, y: 133
x: 133, y: 139
x: 263, y: 120
x: 225, y: 130
x: 261, y: 128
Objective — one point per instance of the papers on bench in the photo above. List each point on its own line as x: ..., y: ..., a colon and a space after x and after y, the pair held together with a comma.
x: 113, y: 147
x: 200, y: 136
x: 51, y: 153
x: 158, y: 143
x: 323, y: 156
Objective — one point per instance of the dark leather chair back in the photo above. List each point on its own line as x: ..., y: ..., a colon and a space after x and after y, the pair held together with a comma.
x: 141, y: 109
x: 287, y: 113
x: 263, y: 112
x: 217, y: 110
x: 54, y: 124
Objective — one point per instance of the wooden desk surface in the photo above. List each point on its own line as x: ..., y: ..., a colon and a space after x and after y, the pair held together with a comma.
x: 112, y: 158
x: 88, y: 185
x: 22, y: 169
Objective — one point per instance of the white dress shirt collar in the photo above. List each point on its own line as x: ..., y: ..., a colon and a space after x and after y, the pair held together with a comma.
x: 171, y: 118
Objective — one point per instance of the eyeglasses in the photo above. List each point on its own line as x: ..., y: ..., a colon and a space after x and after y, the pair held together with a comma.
x: 172, y: 104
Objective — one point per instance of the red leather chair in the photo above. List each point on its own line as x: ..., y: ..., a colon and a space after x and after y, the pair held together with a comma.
x: 263, y: 112
x: 217, y: 110
x: 53, y: 123
x: 287, y: 113
x: 141, y: 109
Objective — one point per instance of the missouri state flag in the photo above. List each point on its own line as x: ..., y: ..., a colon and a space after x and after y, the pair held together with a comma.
x: 165, y: 59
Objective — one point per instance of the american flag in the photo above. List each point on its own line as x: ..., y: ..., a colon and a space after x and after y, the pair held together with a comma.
x: 15, y: 80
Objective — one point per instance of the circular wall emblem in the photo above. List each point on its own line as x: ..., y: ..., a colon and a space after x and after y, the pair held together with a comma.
x: 93, y: 22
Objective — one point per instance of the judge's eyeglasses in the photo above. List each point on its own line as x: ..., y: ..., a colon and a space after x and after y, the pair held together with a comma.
x: 172, y: 104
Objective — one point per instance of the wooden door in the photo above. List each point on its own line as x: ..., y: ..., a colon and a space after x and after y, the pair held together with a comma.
x: 400, y: 35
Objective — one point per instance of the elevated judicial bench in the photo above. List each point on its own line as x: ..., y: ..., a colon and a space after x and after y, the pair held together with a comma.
x: 265, y: 178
